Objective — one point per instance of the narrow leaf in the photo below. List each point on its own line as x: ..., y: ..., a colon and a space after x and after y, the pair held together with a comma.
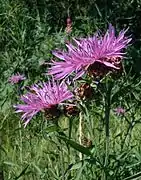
x: 76, y: 146
x: 138, y: 175
x: 22, y: 173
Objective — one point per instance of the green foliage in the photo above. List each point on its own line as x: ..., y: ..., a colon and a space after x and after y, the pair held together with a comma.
x: 29, y: 31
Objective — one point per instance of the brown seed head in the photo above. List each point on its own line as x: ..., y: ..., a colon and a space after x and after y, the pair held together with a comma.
x: 52, y: 112
x: 84, y: 91
x: 70, y: 110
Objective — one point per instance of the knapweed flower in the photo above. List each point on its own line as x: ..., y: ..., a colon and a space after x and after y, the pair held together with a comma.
x: 107, y: 50
x: 14, y: 79
x: 120, y: 111
x: 43, y: 97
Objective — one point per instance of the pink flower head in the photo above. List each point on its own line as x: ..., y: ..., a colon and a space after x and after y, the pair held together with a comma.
x: 120, y: 111
x: 104, y: 49
x: 14, y: 79
x: 41, y: 97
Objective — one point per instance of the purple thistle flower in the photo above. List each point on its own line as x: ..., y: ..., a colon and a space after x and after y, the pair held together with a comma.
x: 104, y: 49
x: 42, y: 97
x: 14, y: 79
x: 120, y: 111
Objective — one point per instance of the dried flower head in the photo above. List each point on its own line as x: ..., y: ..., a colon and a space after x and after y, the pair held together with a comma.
x: 52, y: 113
x: 107, y: 50
x: 70, y: 110
x: 86, y: 142
x: 14, y: 79
x: 84, y: 91
x: 69, y: 26
x: 43, y: 97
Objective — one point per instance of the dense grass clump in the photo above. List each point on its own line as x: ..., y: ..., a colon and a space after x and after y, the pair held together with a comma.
x: 102, y: 140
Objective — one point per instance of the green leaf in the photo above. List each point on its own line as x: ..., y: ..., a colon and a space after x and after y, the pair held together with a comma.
x: 10, y: 163
x: 22, y: 173
x: 138, y: 175
x: 37, y: 168
x: 80, y: 172
x: 52, y: 128
x: 76, y: 146
x: 77, y: 165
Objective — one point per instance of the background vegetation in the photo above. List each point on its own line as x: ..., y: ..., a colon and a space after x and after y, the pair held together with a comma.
x: 29, y: 31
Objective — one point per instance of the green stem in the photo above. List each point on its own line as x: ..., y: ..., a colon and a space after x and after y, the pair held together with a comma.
x: 107, y: 122
x: 70, y: 127
x: 1, y: 168
x: 70, y: 131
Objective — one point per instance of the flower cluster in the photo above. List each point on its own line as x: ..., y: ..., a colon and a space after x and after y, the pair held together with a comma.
x: 93, y: 55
